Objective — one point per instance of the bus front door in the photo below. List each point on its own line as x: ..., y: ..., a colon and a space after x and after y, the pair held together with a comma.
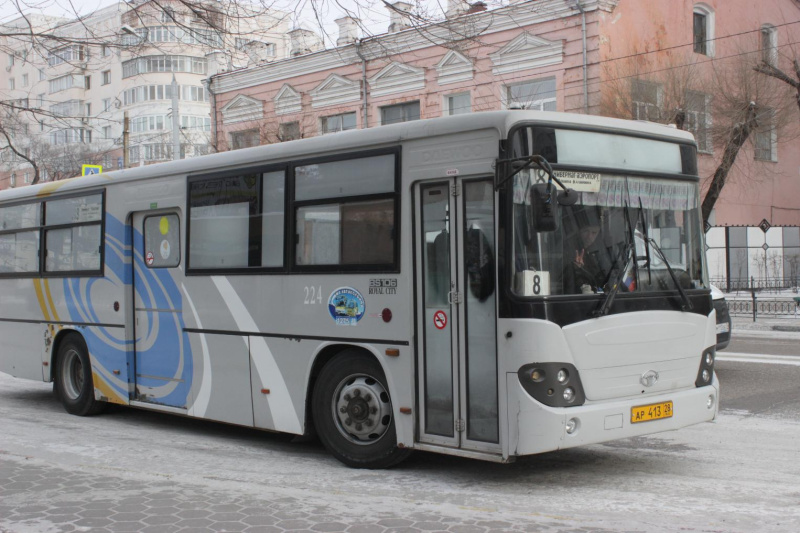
x: 456, y: 314
x: 162, y: 370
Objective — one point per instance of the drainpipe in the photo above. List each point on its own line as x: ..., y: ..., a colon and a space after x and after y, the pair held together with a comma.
x: 364, y: 113
x: 208, y: 84
x: 585, y: 63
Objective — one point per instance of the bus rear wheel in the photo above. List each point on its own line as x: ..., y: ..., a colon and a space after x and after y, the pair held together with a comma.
x: 352, y: 412
x: 73, y: 378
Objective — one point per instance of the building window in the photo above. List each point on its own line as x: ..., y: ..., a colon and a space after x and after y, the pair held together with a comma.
x: 539, y: 95
x: 12, y: 84
x: 88, y: 82
x: 10, y: 60
x: 245, y: 139
x: 341, y: 122
x: 106, y: 104
x: 13, y: 179
x: 105, y: 50
x: 289, y: 131
x: 769, y: 45
x: 144, y: 65
x: 703, y: 29
x: 106, y: 132
x: 766, y: 136
x: 457, y: 104
x: 42, y: 75
x: 27, y: 177
x: 24, y: 80
x: 698, y: 119
x: 88, y: 110
x: 646, y: 100
x: 392, y: 114
x: 106, y: 77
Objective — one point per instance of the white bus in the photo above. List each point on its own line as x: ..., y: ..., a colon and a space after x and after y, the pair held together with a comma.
x: 426, y: 285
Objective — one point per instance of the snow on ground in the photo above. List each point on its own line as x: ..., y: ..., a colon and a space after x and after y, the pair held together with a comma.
x: 737, y: 474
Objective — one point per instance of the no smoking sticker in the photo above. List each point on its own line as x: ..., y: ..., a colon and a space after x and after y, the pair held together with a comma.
x: 440, y: 319
x: 149, y: 258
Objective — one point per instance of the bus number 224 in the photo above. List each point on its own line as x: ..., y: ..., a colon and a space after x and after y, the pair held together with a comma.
x: 313, y: 295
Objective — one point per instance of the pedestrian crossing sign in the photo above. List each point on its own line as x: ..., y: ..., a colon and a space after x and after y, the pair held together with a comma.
x: 87, y: 170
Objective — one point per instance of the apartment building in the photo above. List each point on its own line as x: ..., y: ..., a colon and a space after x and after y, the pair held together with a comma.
x: 625, y: 58
x: 68, y: 87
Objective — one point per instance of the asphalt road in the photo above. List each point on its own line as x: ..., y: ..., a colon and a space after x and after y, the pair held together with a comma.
x: 761, y: 375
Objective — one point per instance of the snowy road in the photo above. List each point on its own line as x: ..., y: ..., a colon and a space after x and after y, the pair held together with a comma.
x: 130, y: 470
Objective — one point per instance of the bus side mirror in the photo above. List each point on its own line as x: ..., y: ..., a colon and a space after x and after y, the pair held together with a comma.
x: 544, y: 207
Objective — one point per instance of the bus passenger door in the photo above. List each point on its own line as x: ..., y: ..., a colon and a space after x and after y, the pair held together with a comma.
x: 162, y: 371
x: 456, y: 314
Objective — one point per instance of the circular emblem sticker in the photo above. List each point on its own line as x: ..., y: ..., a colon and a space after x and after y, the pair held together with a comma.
x: 346, y: 306
x: 149, y: 258
x: 165, y: 249
x: 440, y: 319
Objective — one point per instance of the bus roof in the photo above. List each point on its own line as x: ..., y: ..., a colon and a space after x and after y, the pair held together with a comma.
x: 501, y: 121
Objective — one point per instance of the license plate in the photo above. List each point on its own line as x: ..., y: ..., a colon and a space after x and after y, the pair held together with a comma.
x: 655, y: 411
x: 723, y: 328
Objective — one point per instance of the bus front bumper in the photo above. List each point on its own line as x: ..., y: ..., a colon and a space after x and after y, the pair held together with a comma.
x: 537, y: 428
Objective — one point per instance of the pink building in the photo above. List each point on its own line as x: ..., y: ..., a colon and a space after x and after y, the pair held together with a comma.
x: 641, y: 59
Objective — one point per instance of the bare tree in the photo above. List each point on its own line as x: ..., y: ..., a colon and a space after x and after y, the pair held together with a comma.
x: 746, y: 106
x: 148, y: 27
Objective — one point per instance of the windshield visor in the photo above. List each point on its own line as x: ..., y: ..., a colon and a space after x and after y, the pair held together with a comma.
x: 603, y: 238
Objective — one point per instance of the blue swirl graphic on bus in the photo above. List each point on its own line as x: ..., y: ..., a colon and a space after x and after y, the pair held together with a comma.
x: 108, y: 346
x: 161, y: 345
x: 163, y: 354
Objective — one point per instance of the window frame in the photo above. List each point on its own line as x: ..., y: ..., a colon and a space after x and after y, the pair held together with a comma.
x: 772, y: 131
x: 508, y: 102
x: 144, y: 239
x: 401, y: 105
x: 705, y: 114
x: 637, y: 105
x: 291, y: 221
x: 42, y: 230
x: 769, y: 53
x: 290, y: 207
x: 259, y: 170
x: 706, y: 47
x: 323, y: 121
x: 448, y: 99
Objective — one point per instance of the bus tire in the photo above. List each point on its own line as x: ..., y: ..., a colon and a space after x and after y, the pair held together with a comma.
x: 353, y: 414
x: 73, y: 378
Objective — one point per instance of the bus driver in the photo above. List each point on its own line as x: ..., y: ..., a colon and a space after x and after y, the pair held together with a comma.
x: 584, y: 273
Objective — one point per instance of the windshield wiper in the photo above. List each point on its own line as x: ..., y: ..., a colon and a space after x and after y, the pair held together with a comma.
x: 687, y: 304
x: 625, y: 258
x: 617, y: 281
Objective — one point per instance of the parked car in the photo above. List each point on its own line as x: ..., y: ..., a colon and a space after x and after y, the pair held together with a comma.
x: 723, y: 318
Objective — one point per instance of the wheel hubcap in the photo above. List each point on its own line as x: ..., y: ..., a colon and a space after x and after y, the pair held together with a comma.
x: 362, y: 409
x: 72, y: 374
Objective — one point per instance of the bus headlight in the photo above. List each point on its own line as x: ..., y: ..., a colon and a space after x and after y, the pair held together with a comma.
x: 706, y: 371
x: 553, y: 384
x: 569, y: 395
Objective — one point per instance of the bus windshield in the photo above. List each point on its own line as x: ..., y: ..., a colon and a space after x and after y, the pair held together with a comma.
x: 620, y: 231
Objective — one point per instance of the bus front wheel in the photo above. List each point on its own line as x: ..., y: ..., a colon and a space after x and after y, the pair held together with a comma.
x: 73, y: 378
x: 353, y: 412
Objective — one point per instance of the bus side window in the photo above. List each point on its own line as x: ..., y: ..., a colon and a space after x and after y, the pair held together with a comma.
x: 162, y: 241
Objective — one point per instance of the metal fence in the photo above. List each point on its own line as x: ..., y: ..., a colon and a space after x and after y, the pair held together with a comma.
x: 763, y: 285
x: 765, y: 307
